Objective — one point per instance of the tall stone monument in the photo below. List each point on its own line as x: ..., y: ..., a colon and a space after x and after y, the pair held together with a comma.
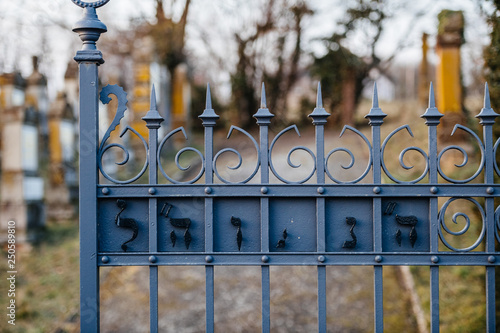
x: 21, y: 187
x: 449, y: 94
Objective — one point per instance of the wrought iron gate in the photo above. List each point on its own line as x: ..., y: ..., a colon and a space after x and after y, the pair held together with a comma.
x: 274, y: 223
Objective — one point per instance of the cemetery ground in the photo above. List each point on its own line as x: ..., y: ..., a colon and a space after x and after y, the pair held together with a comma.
x: 48, y: 281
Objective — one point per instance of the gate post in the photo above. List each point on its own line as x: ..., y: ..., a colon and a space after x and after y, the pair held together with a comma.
x: 89, y: 57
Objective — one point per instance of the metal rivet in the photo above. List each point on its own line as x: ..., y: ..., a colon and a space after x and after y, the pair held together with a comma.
x: 377, y: 190
x: 321, y: 190
x: 105, y: 191
x: 152, y: 190
x: 490, y: 190
x: 434, y: 190
x: 208, y: 190
x: 209, y: 259
x: 264, y: 190
x: 265, y: 259
x: 435, y: 259
x: 152, y: 259
x: 378, y: 258
x: 321, y: 258
x: 492, y: 259
x: 105, y: 259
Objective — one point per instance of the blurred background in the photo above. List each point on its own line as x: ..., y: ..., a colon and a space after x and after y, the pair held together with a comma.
x: 235, y: 45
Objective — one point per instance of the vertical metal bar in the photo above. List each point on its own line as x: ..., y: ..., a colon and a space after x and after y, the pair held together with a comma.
x: 89, y: 29
x: 322, y: 326
x: 487, y: 119
x: 153, y: 121
x: 432, y: 119
x: 209, y: 119
x: 153, y: 299
x: 376, y: 119
x: 209, y: 298
x: 263, y: 117
x: 209, y: 269
x: 319, y: 116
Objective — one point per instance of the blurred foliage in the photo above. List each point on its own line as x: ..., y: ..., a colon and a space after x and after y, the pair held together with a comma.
x: 280, y: 28
x: 334, y: 69
x: 169, y: 36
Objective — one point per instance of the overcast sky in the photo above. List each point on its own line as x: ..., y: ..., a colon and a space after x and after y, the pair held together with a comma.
x: 23, y: 21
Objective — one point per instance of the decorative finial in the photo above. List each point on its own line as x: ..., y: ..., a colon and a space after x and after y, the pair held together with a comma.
x: 208, y: 100
x: 375, y: 116
x: 432, y: 115
x: 263, y: 115
x: 487, y: 101
x: 153, y: 118
x: 152, y: 104
x: 319, y: 114
x: 375, y: 96
x: 263, y: 102
x: 487, y: 115
x: 89, y: 28
x: 208, y: 117
x: 432, y: 99
x: 85, y: 4
x: 319, y: 98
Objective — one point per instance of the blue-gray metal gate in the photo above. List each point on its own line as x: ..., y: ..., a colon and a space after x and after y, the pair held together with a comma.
x: 244, y: 223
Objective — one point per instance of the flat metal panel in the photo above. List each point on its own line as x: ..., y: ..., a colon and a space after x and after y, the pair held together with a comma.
x: 228, y: 213
x: 298, y: 217
x: 340, y: 213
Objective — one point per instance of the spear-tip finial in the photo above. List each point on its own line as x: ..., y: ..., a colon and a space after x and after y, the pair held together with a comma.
x: 263, y: 114
x: 208, y: 117
x: 432, y: 115
x: 487, y: 102
x: 319, y: 114
x: 375, y: 96
x: 319, y: 97
x: 153, y: 98
x: 487, y: 115
x: 432, y: 99
x: 208, y: 102
x: 153, y: 117
x: 263, y: 103
x: 376, y: 115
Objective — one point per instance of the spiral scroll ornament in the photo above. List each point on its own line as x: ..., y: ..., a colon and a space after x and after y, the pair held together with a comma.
x: 177, y: 158
x: 401, y: 157
x: 238, y: 155
x: 465, y: 156
x: 351, y: 155
x: 93, y: 4
x: 289, y: 160
x: 466, y: 218
x: 121, y: 95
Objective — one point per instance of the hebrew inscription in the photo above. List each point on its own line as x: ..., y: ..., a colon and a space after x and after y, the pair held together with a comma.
x: 126, y: 223
x: 182, y: 223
